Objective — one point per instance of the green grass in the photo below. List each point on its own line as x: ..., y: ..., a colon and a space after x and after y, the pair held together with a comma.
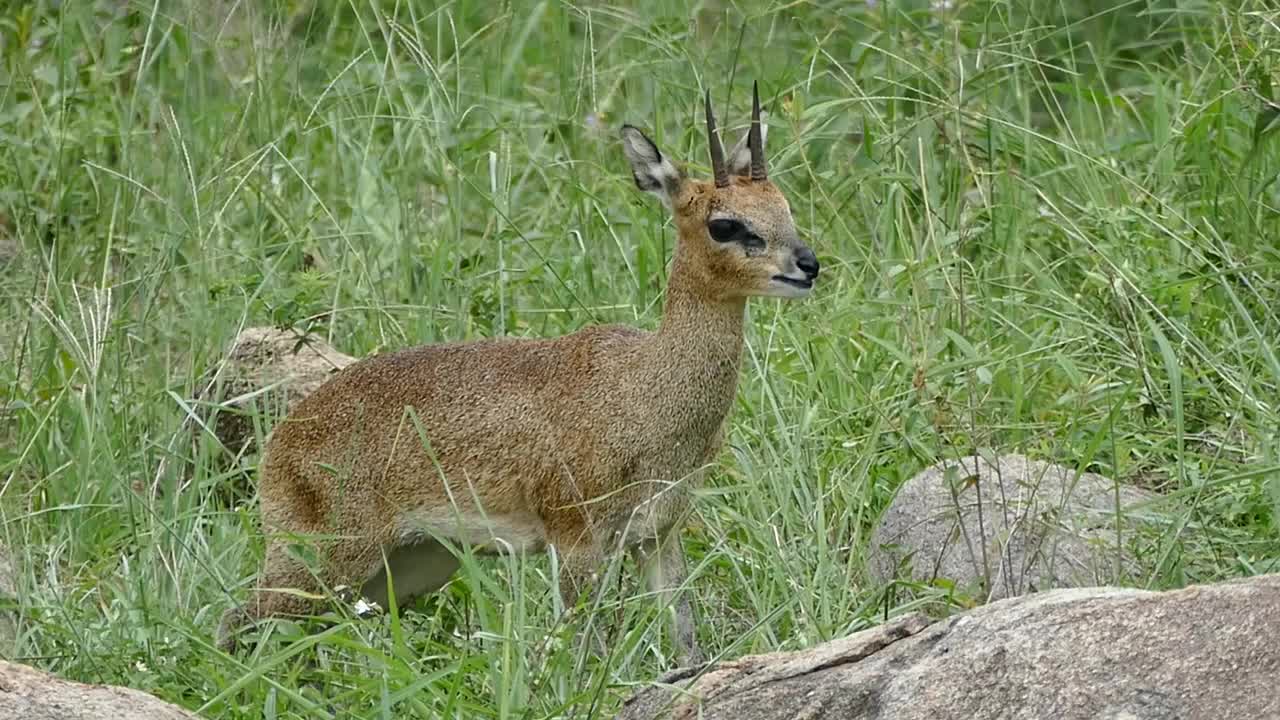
x: 1045, y: 226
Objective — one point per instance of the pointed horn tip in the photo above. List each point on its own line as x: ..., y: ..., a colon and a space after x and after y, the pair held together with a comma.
x: 717, y: 150
x: 755, y: 141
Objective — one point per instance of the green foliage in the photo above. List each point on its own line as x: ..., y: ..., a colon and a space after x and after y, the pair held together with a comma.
x: 1045, y: 226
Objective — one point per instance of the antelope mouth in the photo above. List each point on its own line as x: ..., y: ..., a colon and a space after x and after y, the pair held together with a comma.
x: 799, y: 283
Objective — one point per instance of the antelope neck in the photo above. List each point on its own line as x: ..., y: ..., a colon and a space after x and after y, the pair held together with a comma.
x: 694, y: 321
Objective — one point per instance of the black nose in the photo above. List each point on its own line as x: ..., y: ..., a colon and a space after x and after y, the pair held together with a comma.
x: 807, y: 261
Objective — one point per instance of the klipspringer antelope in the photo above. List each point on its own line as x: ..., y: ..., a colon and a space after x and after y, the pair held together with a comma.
x: 591, y: 442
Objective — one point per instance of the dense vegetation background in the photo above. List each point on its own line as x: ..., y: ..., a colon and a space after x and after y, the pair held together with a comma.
x: 1046, y: 226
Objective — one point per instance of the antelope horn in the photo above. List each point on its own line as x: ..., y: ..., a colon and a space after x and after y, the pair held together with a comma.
x: 754, y: 140
x: 717, y: 150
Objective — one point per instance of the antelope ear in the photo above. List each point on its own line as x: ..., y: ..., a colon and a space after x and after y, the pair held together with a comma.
x: 740, y: 157
x: 652, y: 172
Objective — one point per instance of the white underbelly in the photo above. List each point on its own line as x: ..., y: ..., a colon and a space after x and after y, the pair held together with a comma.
x: 520, y: 532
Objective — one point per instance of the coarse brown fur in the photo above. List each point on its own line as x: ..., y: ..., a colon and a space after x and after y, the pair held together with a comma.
x: 590, y: 442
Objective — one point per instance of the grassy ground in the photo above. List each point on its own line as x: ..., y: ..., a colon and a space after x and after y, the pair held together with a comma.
x: 1046, y: 226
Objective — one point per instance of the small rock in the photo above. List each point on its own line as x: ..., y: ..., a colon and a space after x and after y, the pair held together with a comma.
x: 269, y: 369
x: 1004, y: 528
x: 9, y: 250
x: 8, y: 593
x: 9, y: 247
x: 1211, y: 651
x: 30, y: 694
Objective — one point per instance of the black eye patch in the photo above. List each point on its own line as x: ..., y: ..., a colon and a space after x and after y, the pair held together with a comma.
x: 726, y: 230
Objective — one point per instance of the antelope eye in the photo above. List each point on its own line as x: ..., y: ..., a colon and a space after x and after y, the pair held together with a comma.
x: 726, y: 230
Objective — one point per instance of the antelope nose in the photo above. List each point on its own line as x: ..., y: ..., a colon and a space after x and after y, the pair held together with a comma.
x: 808, y: 262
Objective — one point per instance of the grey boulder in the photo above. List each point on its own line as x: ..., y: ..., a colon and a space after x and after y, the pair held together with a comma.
x: 1210, y: 651
x: 1010, y: 525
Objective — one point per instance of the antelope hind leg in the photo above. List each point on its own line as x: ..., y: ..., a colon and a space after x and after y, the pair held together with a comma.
x: 417, y: 569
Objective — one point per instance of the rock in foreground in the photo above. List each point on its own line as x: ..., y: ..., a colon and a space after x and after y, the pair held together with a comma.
x: 1210, y: 651
x: 30, y: 694
x: 1008, y: 526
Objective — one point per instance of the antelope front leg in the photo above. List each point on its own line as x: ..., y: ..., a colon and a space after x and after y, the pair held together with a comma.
x: 663, y: 564
x: 580, y: 573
